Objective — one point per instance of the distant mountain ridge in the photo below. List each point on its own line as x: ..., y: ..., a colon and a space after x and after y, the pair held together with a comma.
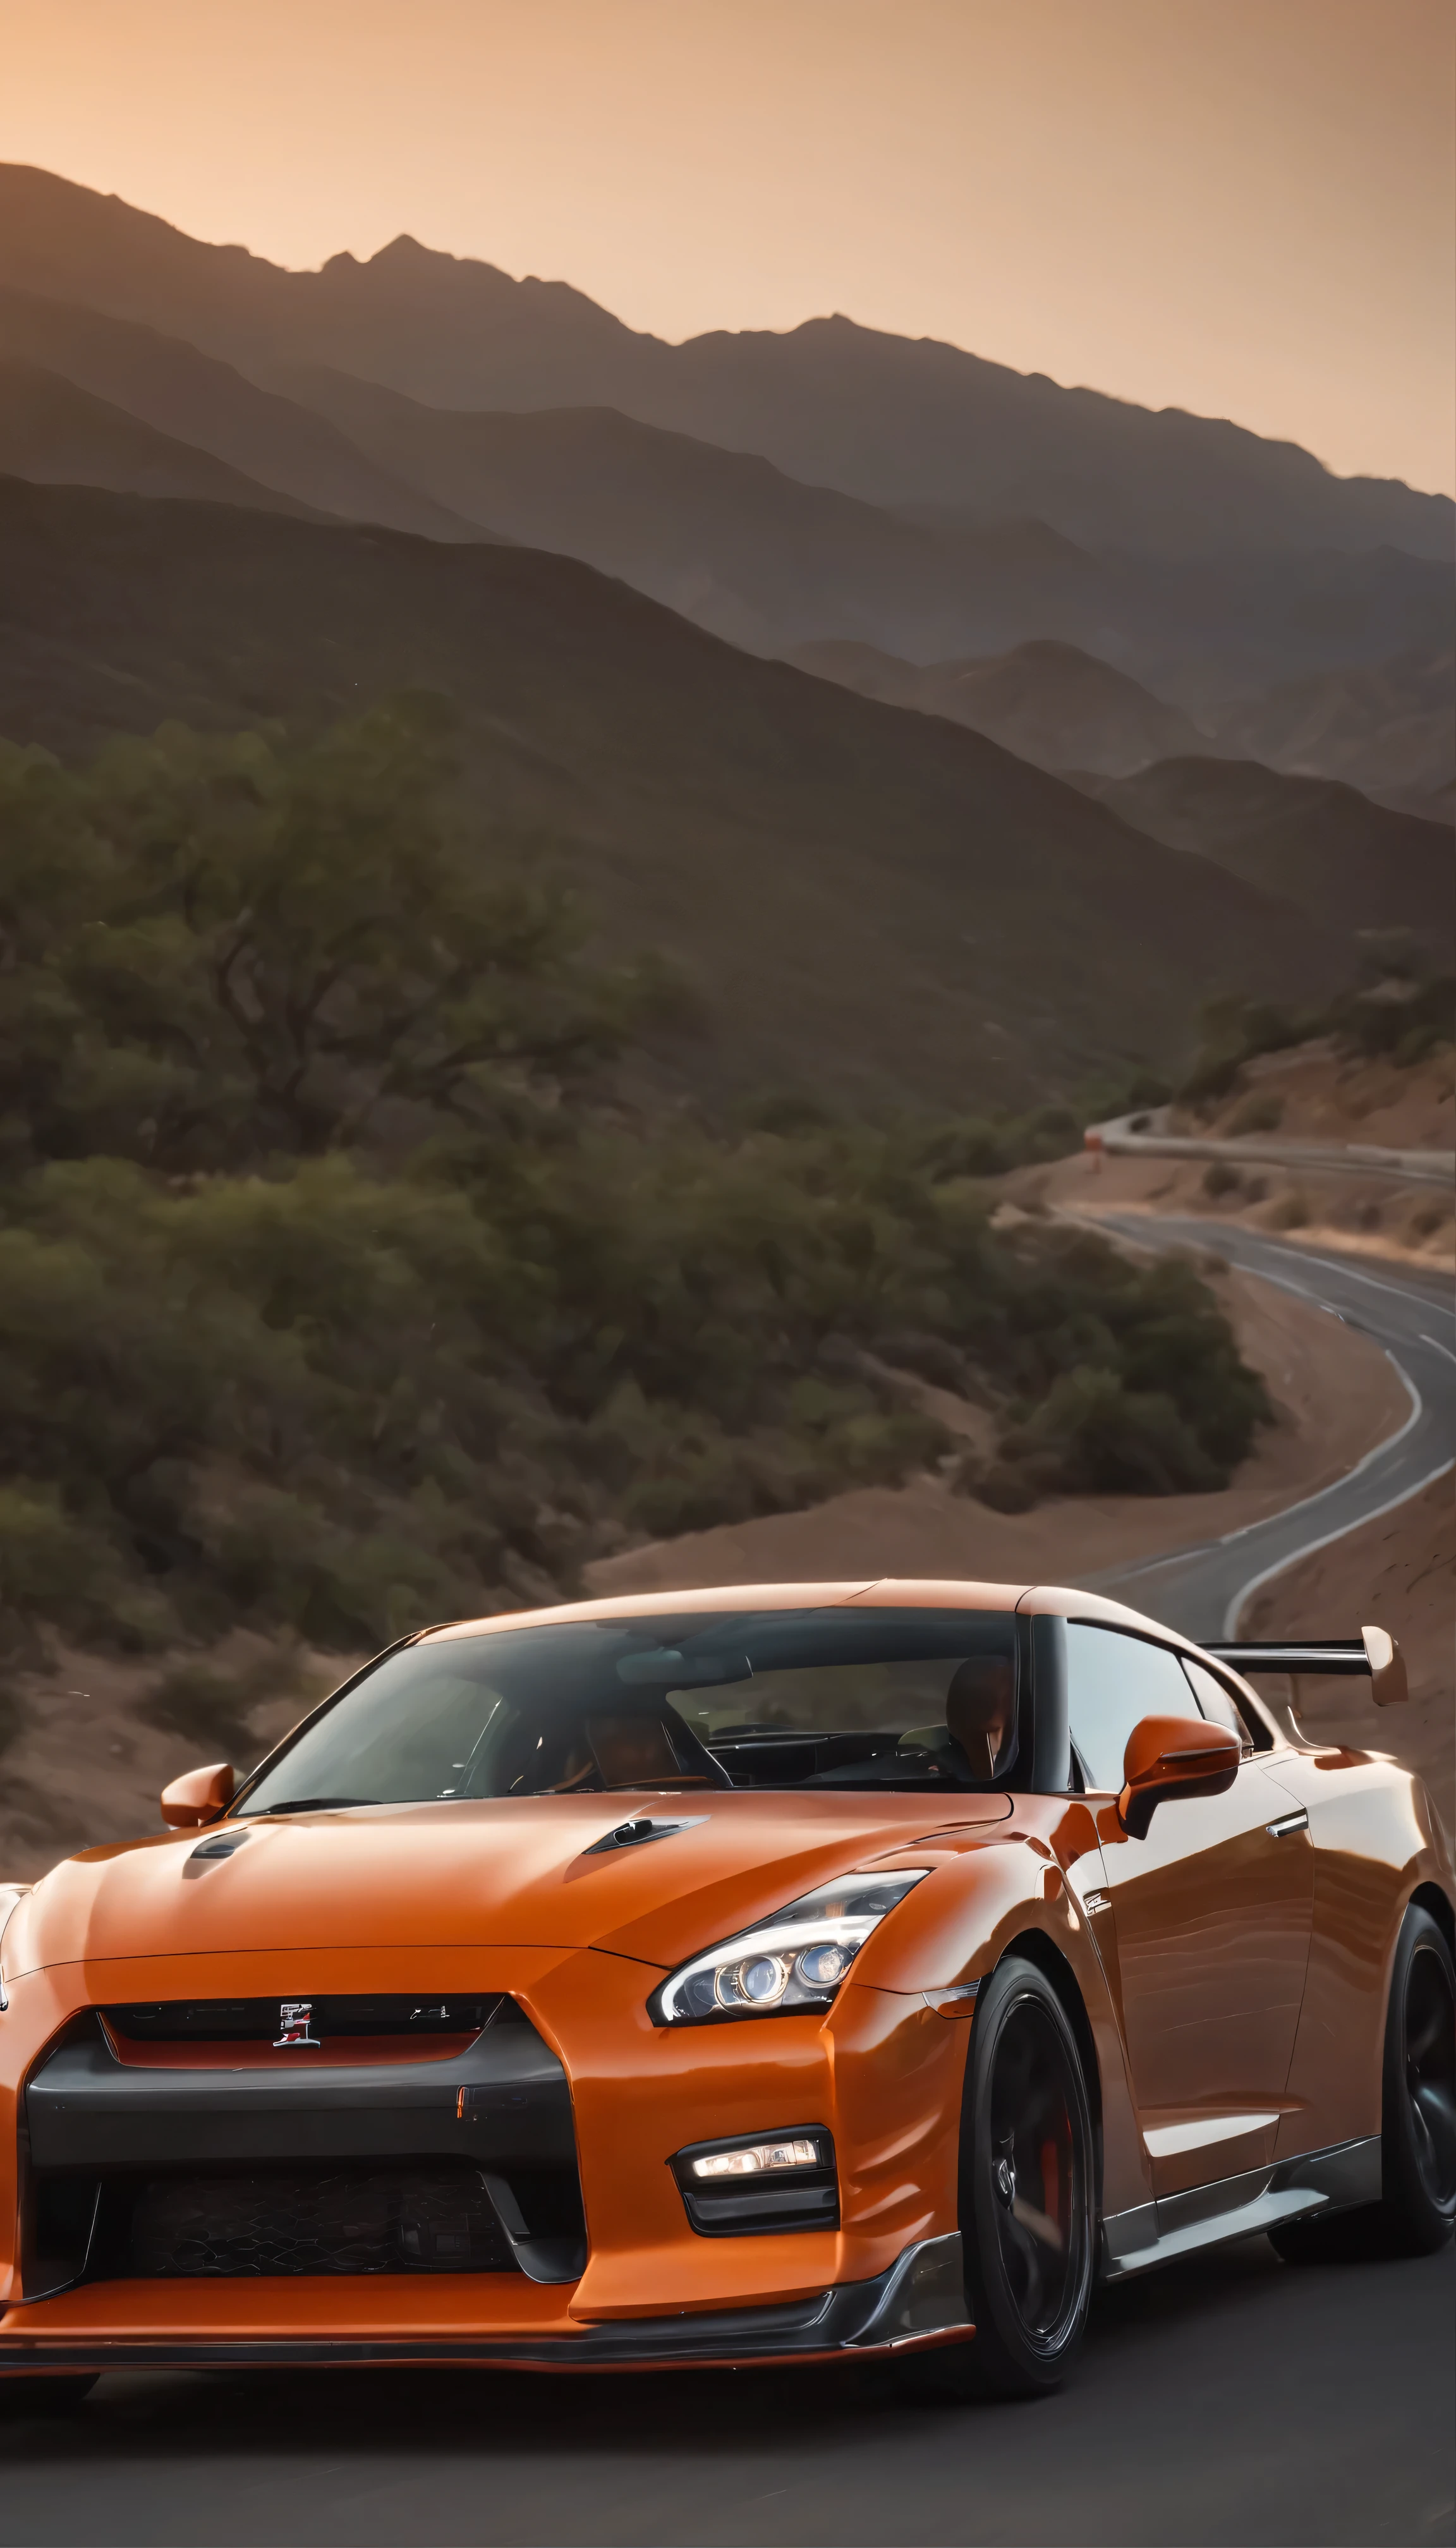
x: 874, y: 905
x: 888, y: 419
x: 1049, y: 704
x: 57, y: 434
x: 1320, y: 846
x: 728, y: 539
x: 169, y: 385
x: 1386, y: 728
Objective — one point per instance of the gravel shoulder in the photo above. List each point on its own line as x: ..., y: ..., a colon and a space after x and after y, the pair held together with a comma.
x: 1400, y: 1571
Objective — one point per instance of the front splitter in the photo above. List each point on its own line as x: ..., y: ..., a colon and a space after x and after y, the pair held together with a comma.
x: 919, y: 2302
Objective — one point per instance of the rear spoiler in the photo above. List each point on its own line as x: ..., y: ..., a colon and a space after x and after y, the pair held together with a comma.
x: 1375, y: 1652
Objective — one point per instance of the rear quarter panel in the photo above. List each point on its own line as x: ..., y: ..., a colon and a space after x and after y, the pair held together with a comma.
x: 1377, y: 1837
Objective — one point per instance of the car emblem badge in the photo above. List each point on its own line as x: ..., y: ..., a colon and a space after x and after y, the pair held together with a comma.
x: 294, y: 2017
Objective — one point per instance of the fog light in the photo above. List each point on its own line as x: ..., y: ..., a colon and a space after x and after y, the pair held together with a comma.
x: 757, y: 2160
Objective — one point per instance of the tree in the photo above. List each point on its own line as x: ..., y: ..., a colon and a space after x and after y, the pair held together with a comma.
x: 217, y: 948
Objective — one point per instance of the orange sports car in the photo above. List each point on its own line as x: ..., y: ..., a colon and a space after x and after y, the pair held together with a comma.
x: 790, y: 1972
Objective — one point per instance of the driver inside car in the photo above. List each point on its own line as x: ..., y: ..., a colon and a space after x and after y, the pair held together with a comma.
x: 980, y: 1712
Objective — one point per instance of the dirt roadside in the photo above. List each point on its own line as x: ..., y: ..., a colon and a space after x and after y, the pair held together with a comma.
x: 1307, y: 1094
x: 1401, y: 1572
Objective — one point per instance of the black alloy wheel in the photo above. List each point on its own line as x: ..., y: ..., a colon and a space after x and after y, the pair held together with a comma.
x: 1418, y: 2142
x: 1419, y: 2123
x: 1026, y: 2187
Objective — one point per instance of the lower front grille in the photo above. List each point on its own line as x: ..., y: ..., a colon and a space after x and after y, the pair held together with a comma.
x: 460, y: 2162
x: 339, y: 2221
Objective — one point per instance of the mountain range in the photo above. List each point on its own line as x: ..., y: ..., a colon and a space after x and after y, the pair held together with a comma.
x: 1323, y: 846
x: 888, y: 418
x: 727, y: 538
x: 1048, y: 702
x: 1067, y: 683
x: 865, y: 901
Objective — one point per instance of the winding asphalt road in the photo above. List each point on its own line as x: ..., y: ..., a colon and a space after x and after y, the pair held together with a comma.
x: 1412, y: 1317
x: 1229, y: 2399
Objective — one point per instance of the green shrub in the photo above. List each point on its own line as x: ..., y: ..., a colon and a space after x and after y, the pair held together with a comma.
x: 1257, y: 1114
x: 1007, y: 1488
x: 1220, y: 1178
x: 342, y: 1292
x: 1093, y: 1435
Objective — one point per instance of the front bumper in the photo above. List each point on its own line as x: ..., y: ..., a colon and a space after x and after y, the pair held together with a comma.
x: 918, y: 2303
x: 883, y: 2077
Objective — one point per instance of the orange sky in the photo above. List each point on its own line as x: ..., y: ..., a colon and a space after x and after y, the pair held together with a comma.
x: 1243, y: 206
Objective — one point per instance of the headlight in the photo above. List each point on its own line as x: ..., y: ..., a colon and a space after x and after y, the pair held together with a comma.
x: 795, y: 1960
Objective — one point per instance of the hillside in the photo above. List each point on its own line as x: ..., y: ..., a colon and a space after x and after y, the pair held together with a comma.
x: 870, y: 903
x: 1324, y: 847
x: 728, y: 539
x: 769, y: 559
x: 1389, y: 728
x: 879, y: 417
x: 57, y: 434
x: 194, y: 400
x: 1046, y: 701
x: 722, y: 536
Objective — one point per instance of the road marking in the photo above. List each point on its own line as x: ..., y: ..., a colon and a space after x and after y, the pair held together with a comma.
x: 1281, y: 1566
x: 1412, y: 1294
x: 1266, y: 1521
x: 1176, y: 1234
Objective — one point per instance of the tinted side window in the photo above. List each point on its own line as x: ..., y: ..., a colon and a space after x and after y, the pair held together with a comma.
x: 1218, y: 1704
x: 1113, y: 1681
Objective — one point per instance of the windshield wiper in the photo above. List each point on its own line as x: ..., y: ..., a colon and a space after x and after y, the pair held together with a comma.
x: 315, y: 1804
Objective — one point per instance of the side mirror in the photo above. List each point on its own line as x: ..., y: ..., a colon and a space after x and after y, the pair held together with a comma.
x: 199, y: 1797
x: 1389, y: 1687
x: 1173, y: 1755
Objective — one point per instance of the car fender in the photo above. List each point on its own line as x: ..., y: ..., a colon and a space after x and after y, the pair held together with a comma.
x: 1029, y: 1878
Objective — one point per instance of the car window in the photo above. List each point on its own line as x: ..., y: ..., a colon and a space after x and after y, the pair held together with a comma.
x: 1113, y: 1681
x: 1217, y: 1702
x: 830, y: 1698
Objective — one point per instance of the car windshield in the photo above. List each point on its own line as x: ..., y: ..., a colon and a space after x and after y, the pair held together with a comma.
x: 832, y: 1698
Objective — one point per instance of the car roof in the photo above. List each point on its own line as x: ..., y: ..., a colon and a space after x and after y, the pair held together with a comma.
x: 887, y: 1591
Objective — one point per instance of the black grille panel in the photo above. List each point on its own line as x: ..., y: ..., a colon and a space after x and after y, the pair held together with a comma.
x: 340, y: 2221
x: 261, y: 2021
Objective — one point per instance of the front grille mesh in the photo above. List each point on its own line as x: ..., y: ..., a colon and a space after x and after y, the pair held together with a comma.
x: 261, y: 2021
x: 339, y: 2221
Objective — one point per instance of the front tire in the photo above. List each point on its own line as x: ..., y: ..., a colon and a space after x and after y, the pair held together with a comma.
x: 1418, y: 2139
x: 1026, y: 2187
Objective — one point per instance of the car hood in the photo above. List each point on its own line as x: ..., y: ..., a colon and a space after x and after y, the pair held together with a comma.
x: 509, y: 1872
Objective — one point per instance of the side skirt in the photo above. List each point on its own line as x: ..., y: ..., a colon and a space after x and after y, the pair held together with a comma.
x: 1236, y: 2206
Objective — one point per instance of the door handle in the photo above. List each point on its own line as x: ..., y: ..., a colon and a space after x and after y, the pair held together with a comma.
x: 1287, y: 1823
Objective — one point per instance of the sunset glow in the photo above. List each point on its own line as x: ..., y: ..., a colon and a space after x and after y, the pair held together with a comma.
x: 1241, y: 207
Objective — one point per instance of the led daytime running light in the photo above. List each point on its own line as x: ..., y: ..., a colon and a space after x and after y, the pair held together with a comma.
x: 764, y: 2159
